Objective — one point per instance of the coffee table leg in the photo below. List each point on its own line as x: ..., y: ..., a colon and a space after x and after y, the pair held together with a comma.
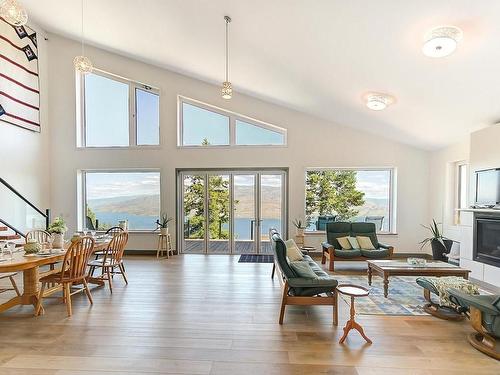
x: 386, y: 285
x: 369, y: 275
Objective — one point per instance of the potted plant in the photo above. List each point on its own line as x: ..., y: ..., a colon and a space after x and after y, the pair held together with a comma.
x: 57, y: 228
x: 440, y: 245
x: 162, y: 224
x: 300, y: 226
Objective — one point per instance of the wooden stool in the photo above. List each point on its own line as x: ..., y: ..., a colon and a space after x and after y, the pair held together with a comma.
x: 353, y: 291
x: 164, y: 244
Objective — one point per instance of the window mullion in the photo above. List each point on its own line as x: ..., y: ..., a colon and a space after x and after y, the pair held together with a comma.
x: 132, y: 116
x: 232, y: 130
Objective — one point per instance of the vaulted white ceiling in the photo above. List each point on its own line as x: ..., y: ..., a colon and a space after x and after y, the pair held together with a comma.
x: 316, y: 56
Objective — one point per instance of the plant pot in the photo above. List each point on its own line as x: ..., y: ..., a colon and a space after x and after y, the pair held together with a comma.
x: 438, y: 250
x: 57, y: 240
x: 164, y: 231
x: 300, y: 232
x: 123, y: 224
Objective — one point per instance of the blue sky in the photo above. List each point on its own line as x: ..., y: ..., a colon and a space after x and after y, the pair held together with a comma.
x: 107, y: 113
x: 110, y: 185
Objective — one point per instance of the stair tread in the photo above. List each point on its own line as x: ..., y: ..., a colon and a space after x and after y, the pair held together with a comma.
x: 10, y: 237
x: 3, y: 229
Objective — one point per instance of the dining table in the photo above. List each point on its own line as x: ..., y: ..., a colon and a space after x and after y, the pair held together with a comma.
x: 30, y: 265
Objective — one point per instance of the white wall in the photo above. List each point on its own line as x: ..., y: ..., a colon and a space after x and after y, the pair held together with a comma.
x: 481, y: 151
x: 24, y: 155
x: 312, y: 143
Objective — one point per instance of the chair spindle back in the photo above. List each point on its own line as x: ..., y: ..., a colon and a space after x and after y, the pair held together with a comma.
x: 39, y: 235
x: 115, y: 250
x: 76, y: 259
x: 114, y: 231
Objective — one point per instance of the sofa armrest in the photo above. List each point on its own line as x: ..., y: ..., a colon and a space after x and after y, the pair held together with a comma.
x: 388, y: 247
x: 302, y: 282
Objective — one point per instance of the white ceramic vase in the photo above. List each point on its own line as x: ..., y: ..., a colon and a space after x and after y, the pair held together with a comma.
x: 57, y: 240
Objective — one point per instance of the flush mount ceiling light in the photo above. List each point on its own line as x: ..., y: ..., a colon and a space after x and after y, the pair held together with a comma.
x: 227, y: 88
x: 82, y: 63
x: 441, y: 41
x: 13, y: 12
x: 378, y: 101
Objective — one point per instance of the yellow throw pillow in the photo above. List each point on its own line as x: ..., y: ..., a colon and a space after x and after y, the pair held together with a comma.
x: 365, y: 243
x: 344, y: 243
x: 292, y: 251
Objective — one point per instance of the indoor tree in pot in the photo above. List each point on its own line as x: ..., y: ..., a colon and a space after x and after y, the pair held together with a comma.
x: 162, y: 224
x: 57, y: 228
x: 440, y: 245
x: 300, y: 226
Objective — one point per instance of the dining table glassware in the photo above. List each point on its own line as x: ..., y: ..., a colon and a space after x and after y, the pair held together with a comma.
x: 11, y: 247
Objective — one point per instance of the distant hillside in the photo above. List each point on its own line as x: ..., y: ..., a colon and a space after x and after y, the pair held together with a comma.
x: 271, y: 202
x: 137, y: 205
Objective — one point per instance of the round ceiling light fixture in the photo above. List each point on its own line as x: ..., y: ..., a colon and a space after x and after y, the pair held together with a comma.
x: 13, y: 12
x: 442, y: 41
x: 378, y: 101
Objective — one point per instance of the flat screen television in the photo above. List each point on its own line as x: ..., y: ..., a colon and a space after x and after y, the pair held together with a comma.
x: 488, y: 187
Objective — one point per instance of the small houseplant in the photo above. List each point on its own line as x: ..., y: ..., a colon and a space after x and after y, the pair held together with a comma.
x: 57, y: 228
x: 300, y: 226
x: 440, y: 245
x: 162, y: 224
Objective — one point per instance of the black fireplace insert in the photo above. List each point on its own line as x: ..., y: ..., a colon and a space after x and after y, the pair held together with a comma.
x: 487, y: 238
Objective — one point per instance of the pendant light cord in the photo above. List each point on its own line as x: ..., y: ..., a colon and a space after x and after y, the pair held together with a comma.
x: 83, y: 46
x: 227, y: 50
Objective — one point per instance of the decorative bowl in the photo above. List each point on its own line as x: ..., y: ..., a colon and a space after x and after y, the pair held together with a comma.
x: 418, y: 262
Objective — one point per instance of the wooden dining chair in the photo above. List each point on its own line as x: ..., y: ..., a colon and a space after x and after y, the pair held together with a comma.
x: 112, y: 231
x: 41, y: 236
x: 72, y: 272
x: 112, y: 261
x: 9, y: 276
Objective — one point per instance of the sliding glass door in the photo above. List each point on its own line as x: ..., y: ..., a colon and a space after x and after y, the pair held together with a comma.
x: 230, y: 212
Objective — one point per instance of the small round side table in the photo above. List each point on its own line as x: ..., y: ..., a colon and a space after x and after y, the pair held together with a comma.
x: 353, y: 291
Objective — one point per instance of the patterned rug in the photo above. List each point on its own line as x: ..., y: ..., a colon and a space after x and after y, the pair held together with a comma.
x: 256, y: 258
x: 406, y: 297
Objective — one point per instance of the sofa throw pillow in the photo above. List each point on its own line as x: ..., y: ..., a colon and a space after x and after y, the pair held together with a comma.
x: 292, y: 251
x: 344, y: 243
x: 365, y: 243
x: 354, y: 242
x: 303, y: 269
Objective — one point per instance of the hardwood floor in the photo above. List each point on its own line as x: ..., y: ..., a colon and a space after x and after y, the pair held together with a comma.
x: 198, y: 314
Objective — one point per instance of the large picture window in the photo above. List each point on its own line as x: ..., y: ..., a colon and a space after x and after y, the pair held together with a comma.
x: 202, y: 125
x: 112, y: 196
x: 116, y: 112
x: 360, y: 195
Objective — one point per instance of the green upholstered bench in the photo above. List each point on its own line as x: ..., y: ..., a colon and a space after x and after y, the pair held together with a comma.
x: 297, y: 290
x: 333, y: 251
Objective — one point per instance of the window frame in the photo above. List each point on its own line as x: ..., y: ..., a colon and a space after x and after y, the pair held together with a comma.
x: 81, y: 130
x: 392, y: 194
x: 458, y: 188
x: 82, y: 184
x: 233, y: 117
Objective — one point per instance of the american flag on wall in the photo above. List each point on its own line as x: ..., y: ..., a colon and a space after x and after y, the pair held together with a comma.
x: 19, y: 84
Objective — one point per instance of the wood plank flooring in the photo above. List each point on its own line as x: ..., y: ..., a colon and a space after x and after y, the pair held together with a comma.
x: 208, y: 314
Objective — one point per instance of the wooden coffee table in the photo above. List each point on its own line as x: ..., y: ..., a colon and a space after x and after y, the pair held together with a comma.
x: 387, y: 268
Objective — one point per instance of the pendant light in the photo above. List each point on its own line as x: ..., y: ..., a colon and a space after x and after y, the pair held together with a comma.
x: 13, y: 12
x: 227, y: 88
x: 82, y: 63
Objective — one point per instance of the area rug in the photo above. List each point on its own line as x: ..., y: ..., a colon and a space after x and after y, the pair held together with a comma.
x: 406, y: 297
x: 256, y: 258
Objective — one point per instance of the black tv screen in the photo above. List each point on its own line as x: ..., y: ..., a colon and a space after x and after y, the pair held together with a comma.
x: 488, y: 187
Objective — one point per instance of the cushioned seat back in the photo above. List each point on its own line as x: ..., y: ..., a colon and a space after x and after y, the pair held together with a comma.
x: 279, y: 252
x: 365, y: 230
x: 336, y: 230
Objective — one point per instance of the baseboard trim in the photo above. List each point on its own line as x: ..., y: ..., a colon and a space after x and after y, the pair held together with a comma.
x: 140, y: 252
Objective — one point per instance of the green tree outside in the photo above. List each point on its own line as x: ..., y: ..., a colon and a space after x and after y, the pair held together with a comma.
x: 332, y: 192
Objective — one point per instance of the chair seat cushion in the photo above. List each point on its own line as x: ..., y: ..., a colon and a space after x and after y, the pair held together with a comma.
x: 426, y: 283
x: 375, y: 254
x: 347, y: 253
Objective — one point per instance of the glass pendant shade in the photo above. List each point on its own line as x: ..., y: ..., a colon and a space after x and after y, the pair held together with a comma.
x: 12, y: 12
x: 83, y: 64
x: 227, y: 90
